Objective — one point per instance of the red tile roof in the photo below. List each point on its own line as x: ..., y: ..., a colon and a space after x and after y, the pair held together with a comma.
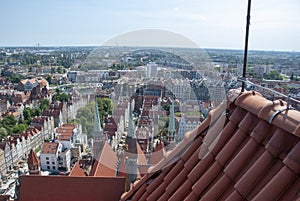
x: 5, y: 197
x: 50, y: 147
x: 59, y: 188
x: 106, y: 163
x: 65, y: 132
x: 77, y: 171
x: 141, y: 158
x: 33, y: 160
x: 157, y: 154
x: 235, y: 154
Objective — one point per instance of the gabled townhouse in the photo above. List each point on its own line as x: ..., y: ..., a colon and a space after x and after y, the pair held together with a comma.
x: 46, y: 124
x: 14, y: 139
x: 71, y: 137
x: 36, y: 137
x: 26, y: 142
x: 2, y: 163
x: 54, y: 157
x: 64, y: 160
x: 20, y: 97
x: 4, y: 105
x: 7, y: 155
x: 49, y: 154
x: 58, y: 111
x: 14, y: 153
x: 21, y: 145
x: 38, y: 93
x: 29, y: 84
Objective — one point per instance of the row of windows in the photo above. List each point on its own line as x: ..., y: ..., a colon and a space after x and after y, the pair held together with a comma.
x: 53, y: 163
x: 53, y: 167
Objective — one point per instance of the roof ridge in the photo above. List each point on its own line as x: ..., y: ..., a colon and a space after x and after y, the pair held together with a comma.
x: 274, y: 112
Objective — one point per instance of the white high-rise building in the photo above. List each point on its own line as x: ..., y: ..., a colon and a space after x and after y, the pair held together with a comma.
x: 151, y: 70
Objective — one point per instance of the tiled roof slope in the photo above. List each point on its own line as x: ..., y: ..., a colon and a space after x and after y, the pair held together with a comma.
x: 233, y: 155
x: 77, y: 171
x: 61, y: 188
x: 106, y: 163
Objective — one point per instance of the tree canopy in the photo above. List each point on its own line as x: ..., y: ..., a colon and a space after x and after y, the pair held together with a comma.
x: 85, y: 115
x: 44, y: 104
x: 8, y: 122
x: 3, y: 133
x: 62, y: 97
x: 273, y: 75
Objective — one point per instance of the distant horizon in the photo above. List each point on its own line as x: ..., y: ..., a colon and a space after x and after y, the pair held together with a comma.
x: 205, y: 48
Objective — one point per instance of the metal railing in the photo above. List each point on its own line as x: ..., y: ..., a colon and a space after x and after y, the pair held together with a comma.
x: 272, y: 94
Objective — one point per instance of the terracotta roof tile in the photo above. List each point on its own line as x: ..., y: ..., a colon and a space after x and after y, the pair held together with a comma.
x: 234, y: 196
x: 232, y: 155
x: 293, y: 192
x: 141, y: 156
x: 278, y: 185
x: 49, y: 147
x: 153, y: 185
x: 292, y: 159
x: 77, y: 171
x: 182, y: 191
x: 200, y: 168
x: 206, y: 178
x: 5, y: 198
x: 177, y: 181
x: 58, y: 188
x: 193, y: 160
x: 33, y: 160
x: 158, y: 154
x: 231, y: 146
x: 106, y: 163
x: 139, y: 193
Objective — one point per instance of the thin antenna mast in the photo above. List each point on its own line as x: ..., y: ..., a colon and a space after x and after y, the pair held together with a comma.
x: 246, y: 44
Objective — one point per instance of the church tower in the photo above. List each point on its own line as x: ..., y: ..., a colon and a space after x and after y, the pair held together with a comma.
x: 98, y: 137
x: 33, y: 163
x: 131, y: 152
x: 171, y: 129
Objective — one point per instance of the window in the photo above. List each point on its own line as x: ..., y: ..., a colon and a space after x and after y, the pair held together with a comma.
x: 47, y: 158
x: 47, y: 162
x: 53, y: 163
x: 53, y: 167
x: 48, y: 167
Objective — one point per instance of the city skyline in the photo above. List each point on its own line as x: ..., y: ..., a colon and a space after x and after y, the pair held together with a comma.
x: 214, y: 24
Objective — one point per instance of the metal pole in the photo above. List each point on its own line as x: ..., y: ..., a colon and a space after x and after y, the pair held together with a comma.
x: 246, y: 43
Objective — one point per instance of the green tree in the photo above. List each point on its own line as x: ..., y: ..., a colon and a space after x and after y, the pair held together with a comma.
x: 3, y: 133
x: 8, y: 122
x: 27, y: 114
x: 44, y: 104
x: 59, y: 70
x: 105, y: 107
x: 19, y: 128
x: 274, y: 75
x: 63, y: 97
x: 53, y: 70
x: 36, y: 112
x: 83, y: 122
x: 15, y: 78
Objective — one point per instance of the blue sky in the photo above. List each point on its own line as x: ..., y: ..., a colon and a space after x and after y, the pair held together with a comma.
x: 210, y: 24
